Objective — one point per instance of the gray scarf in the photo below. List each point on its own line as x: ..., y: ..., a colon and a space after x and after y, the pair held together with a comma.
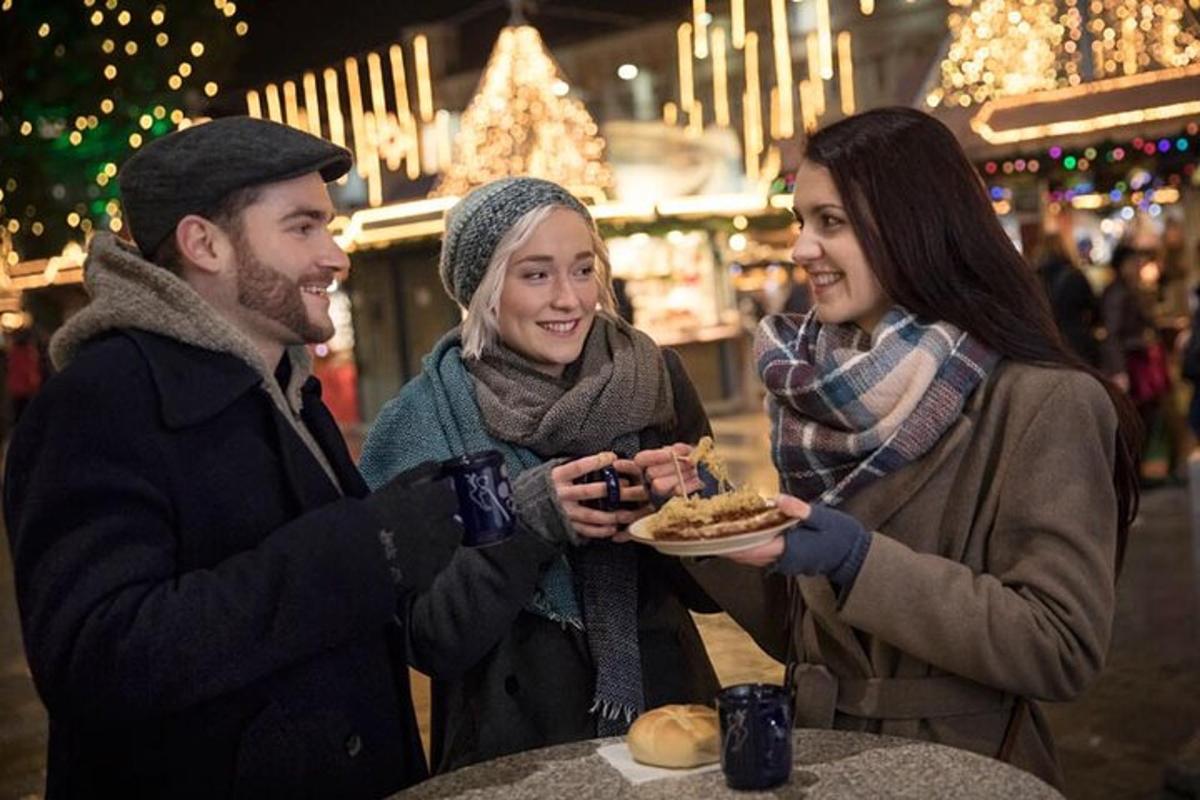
x: 618, y: 387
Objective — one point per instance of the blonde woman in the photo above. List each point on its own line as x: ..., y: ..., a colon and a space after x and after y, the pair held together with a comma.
x: 563, y: 632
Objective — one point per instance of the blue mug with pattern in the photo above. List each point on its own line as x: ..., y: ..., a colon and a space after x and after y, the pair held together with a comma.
x: 485, y: 498
x: 756, y: 735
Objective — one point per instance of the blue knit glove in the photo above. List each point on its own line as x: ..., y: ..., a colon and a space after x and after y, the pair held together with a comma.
x: 828, y: 543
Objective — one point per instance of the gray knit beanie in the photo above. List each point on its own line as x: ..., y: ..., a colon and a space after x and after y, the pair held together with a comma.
x: 476, y: 224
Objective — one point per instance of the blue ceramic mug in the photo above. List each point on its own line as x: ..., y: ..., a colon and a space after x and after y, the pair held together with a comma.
x: 756, y: 735
x: 611, y: 500
x: 485, y: 501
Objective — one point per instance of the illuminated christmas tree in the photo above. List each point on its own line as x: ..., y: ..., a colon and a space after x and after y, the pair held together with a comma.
x: 1011, y: 47
x: 83, y: 84
x: 522, y: 121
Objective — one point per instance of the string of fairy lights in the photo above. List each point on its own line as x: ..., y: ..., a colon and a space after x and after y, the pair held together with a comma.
x: 101, y: 78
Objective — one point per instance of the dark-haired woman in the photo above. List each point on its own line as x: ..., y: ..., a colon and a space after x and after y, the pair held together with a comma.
x: 963, y: 484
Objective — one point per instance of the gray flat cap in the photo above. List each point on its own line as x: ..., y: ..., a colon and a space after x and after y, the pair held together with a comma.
x: 476, y: 224
x: 192, y: 170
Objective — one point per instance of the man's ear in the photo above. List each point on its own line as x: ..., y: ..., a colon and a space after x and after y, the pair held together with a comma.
x: 202, y: 244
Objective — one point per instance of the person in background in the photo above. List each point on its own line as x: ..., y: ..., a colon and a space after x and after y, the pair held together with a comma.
x: 962, y: 483
x: 1134, y: 355
x: 1073, y: 304
x: 208, y: 593
x: 23, y: 377
x: 580, y: 631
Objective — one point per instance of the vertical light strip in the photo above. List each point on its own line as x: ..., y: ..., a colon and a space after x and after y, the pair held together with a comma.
x: 291, y: 106
x: 378, y: 97
x: 776, y: 133
x: 696, y: 118
x: 720, y: 79
x: 753, y: 109
x: 867, y: 7
x: 808, y: 111
x: 816, y: 86
x: 312, y: 104
x: 737, y: 11
x: 748, y: 138
x: 700, y: 19
x: 825, y: 39
x: 670, y: 113
x: 253, y: 104
x: 444, y: 145
x: 845, y: 73
x: 274, y: 107
x: 687, y: 89
x: 783, y: 70
x: 369, y: 166
x: 424, y: 87
x: 399, y: 82
x: 408, y: 124
x: 354, y: 91
x: 337, y: 126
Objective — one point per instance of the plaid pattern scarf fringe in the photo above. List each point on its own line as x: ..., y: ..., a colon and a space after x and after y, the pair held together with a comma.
x: 847, y: 410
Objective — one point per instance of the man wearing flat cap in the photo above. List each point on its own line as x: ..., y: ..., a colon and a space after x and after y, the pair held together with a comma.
x: 211, y: 599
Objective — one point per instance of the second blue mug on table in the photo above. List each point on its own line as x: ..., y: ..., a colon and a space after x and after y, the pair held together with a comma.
x: 485, y: 501
x: 756, y: 735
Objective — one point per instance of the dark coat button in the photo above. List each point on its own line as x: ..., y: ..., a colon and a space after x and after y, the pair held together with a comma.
x: 353, y: 745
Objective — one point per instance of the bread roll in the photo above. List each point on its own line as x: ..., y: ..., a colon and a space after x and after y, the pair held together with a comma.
x: 677, y: 736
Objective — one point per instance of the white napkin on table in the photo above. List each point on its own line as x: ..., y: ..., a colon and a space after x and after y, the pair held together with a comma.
x: 621, y: 759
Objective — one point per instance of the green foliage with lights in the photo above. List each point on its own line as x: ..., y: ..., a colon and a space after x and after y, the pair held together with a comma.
x: 82, y: 84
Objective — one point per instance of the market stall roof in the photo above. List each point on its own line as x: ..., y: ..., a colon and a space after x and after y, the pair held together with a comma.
x: 1148, y: 104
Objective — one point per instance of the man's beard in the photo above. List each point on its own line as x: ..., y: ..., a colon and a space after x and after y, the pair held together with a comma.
x: 263, y: 289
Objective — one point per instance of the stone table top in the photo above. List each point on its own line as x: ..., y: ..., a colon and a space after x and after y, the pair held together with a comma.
x: 828, y: 764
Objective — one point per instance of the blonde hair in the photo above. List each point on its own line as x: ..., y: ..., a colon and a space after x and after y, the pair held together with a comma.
x: 481, y: 327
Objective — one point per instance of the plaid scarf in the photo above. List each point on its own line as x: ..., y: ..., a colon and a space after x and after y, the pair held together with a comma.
x: 846, y: 410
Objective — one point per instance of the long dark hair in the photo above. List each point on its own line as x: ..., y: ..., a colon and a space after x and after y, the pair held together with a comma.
x: 927, y: 228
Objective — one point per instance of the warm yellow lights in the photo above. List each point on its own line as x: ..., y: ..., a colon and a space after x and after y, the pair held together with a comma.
x: 867, y: 7
x: 752, y: 107
x: 106, y: 106
x: 515, y: 125
x: 26, y: 128
x: 161, y: 39
x: 291, y: 107
x: 123, y: 18
x: 175, y: 82
x: 424, y: 85
x: 108, y: 45
x: 197, y: 49
x: 135, y: 140
x: 824, y: 40
x: 1013, y: 47
x: 44, y: 30
x: 145, y: 121
x: 845, y: 73
x: 253, y: 104
x: 110, y: 71
x: 211, y: 88
x: 687, y: 87
x: 700, y: 19
x: 337, y: 126
x: 737, y: 23
x: 157, y: 16
x: 312, y: 104
x: 274, y: 105
x: 720, y: 79
x: 131, y: 48
x: 783, y: 71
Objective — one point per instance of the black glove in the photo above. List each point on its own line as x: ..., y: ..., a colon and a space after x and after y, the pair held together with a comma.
x: 420, y: 532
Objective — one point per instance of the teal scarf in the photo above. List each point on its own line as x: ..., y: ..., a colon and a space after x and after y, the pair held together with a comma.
x: 435, y: 417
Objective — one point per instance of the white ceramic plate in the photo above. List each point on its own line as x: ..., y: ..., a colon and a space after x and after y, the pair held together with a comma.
x: 706, y: 547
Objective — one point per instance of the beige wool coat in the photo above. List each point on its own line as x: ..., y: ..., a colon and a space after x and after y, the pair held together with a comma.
x: 989, y: 578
